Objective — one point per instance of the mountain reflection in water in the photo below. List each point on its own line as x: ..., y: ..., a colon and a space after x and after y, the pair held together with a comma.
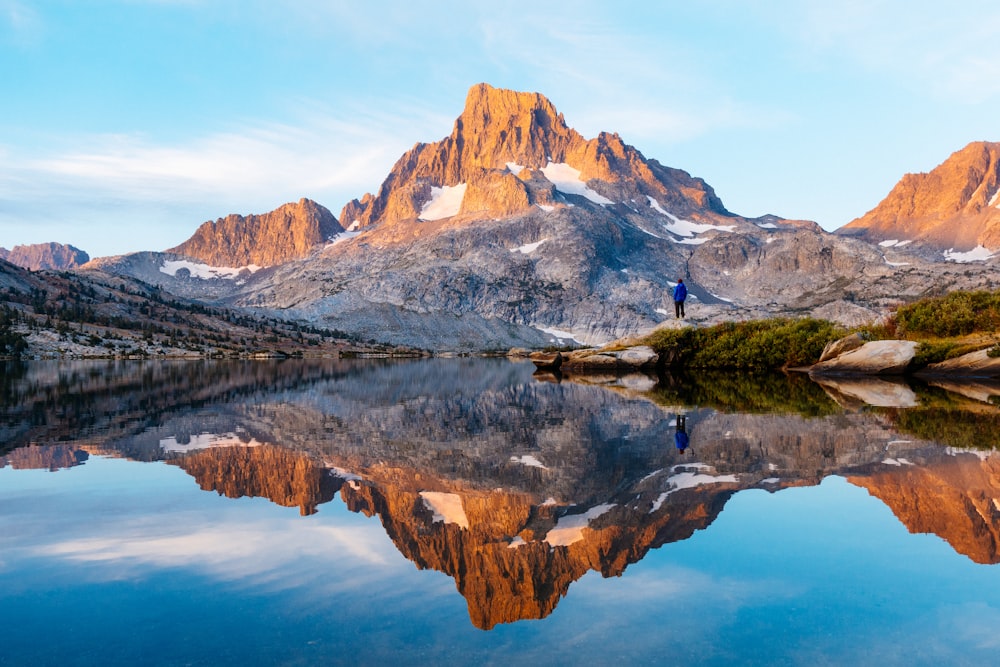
x: 513, y: 486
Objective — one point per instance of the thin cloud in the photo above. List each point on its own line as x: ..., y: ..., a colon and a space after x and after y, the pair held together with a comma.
x: 19, y: 24
x: 174, y: 187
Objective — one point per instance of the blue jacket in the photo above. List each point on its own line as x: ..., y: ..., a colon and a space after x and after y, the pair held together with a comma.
x: 681, y: 440
x: 680, y: 292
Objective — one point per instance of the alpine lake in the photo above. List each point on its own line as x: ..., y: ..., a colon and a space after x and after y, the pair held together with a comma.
x: 471, y: 511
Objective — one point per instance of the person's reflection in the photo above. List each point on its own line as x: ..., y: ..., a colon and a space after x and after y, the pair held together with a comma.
x: 680, y: 435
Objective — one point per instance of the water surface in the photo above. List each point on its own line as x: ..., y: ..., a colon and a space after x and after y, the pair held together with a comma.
x: 466, y: 511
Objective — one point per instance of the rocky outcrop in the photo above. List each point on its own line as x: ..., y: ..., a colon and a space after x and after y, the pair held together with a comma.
x: 880, y: 357
x: 289, y: 232
x: 55, y: 256
x: 952, y: 207
x: 973, y: 364
x: 603, y: 360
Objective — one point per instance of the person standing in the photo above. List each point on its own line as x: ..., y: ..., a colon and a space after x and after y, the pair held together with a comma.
x: 681, y: 439
x: 680, y: 293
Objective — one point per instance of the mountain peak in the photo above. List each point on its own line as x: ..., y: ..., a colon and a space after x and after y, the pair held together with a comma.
x: 500, y: 126
x: 954, y: 206
x: 512, y: 150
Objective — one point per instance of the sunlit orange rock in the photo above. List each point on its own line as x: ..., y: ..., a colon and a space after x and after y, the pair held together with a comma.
x: 957, y: 499
x: 288, y: 232
x: 952, y: 206
x: 283, y: 476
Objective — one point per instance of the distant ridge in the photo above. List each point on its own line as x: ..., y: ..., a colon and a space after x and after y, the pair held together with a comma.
x: 954, y: 207
x: 289, y: 232
x: 56, y: 256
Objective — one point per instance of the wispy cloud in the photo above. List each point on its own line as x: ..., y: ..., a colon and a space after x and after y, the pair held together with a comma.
x: 275, y: 554
x: 942, y: 49
x: 20, y: 24
x: 253, y: 168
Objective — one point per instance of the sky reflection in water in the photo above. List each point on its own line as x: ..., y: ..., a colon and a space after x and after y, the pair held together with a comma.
x: 119, y: 561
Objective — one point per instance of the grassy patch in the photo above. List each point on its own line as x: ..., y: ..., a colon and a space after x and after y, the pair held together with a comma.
x: 756, y: 344
x: 956, y: 314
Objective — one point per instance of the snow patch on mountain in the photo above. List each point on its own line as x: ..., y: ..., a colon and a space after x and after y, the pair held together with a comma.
x: 343, y: 236
x: 567, y: 181
x: 686, y: 228
x: 529, y: 247
x: 445, y: 202
x: 447, y: 507
x: 528, y: 460
x: 995, y: 199
x: 559, y: 335
x: 569, y: 529
x: 204, y: 271
x: 894, y: 243
x: 689, y: 480
x: 206, y: 441
x: 977, y: 254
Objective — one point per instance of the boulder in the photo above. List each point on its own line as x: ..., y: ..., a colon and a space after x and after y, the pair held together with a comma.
x: 973, y: 364
x: 546, y: 360
x: 839, y: 347
x: 880, y: 357
x: 641, y: 356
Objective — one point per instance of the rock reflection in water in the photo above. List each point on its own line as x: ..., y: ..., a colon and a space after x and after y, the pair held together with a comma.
x: 512, y: 486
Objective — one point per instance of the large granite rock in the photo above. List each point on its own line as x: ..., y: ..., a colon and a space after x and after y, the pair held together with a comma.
x: 880, y: 357
x: 973, y: 364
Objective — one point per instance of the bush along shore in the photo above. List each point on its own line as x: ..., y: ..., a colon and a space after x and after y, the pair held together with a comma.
x: 953, y: 335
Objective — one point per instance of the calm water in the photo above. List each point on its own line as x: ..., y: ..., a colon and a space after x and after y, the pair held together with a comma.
x: 468, y: 512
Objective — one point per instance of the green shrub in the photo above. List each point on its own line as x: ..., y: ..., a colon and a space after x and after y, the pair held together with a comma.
x: 932, y: 353
x: 755, y: 344
x: 956, y: 314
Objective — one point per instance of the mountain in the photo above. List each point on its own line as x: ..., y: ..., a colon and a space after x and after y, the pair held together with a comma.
x: 38, y: 256
x: 288, y: 232
x: 511, y: 150
x: 515, y: 230
x: 955, y: 207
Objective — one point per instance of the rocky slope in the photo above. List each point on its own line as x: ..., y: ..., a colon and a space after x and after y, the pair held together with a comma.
x: 56, y: 256
x: 288, y: 232
x: 952, y: 208
x: 90, y: 313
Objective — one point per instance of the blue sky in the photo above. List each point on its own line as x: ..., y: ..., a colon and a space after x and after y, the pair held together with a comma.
x: 124, y: 124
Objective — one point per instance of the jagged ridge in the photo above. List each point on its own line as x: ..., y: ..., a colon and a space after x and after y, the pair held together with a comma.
x: 288, y: 232
x: 953, y: 206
